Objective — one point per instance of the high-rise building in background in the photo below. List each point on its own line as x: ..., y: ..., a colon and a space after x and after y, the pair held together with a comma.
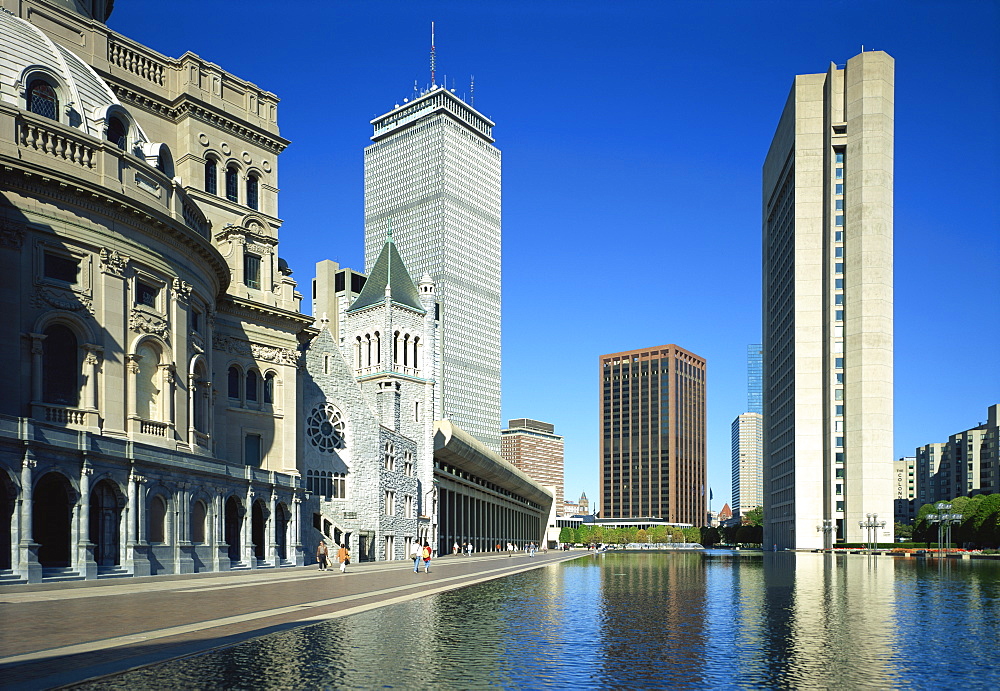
x: 755, y: 378
x: 534, y: 448
x: 827, y: 306
x: 432, y: 175
x: 904, y: 489
x: 964, y: 465
x: 747, y: 449
x: 653, y: 435
x: 748, y: 440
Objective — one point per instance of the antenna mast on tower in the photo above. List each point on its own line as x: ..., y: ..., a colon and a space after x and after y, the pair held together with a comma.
x: 433, y: 56
x: 472, y: 90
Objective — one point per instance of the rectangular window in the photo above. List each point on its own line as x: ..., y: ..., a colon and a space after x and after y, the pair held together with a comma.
x: 840, y: 377
x: 839, y: 315
x: 408, y: 506
x: 839, y: 411
x: 416, y: 411
x: 839, y: 221
x: 838, y: 395
x: 838, y: 267
x: 390, y: 503
x: 838, y: 236
x: 839, y: 205
x: 251, y: 271
x: 251, y: 450
x: 840, y: 473
x: 195, y: 320
x: 840, y: 173
x: 840, y: 158
x: 838, y: 284
x: 838, y: 252
x: 840, y: 488
x: 145, y: 294
x: 838, y: 362
x: 840, y: 188
x: 839, y: 441
x: 60, y: 268
x: 840, y: 506
x: 839, y: 457
x: 838, y: 299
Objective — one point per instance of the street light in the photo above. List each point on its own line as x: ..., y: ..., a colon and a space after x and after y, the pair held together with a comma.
x: 871, y: 526
x: 944, y: 521
x: 827, y: 529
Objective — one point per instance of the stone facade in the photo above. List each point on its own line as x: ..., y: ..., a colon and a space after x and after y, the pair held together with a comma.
x: 149, y: 425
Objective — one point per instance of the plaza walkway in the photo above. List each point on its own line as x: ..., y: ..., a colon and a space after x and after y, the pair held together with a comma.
x: 61, y: 633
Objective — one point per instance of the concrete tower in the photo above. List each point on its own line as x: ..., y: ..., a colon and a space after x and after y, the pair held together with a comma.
x: 827, y: 299
x: 432, y: 173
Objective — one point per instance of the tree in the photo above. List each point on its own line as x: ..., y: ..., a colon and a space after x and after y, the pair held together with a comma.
x: 902, y: 530
x: 566, y: 534
x: 755, y: 516
x: 641, y: 535
x: 744, y: 535
x: 709, y: 536
x: 691, y: 534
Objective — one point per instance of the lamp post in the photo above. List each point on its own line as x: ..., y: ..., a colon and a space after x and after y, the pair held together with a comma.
x: 827, y: 529
x: 944, y: 522
x: 871, y: 524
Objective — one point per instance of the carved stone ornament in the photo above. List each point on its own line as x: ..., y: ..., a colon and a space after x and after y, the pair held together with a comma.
x: 265, y: 353
x: 11, y: 234
x: 114, y: 263
x: 182, y: 290
x: 69, y: 300
x: 146, y: 323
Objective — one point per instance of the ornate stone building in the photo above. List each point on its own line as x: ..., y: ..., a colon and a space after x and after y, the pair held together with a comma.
x: 149, y: 424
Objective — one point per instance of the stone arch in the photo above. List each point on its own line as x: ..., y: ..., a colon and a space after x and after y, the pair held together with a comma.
x: 8, y: 502
x: 259, y: 515
x: 233, y: 525
x: 150, y: 390
x: 158, y: 515
x: 53, y: 499
x: 107, y: 505
x: 64, y: 93
x: 199, y: 393
x: 200, y: 515
x: 282, y: 524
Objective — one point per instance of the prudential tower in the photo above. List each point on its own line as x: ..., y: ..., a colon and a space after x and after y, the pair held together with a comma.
x: 432, y: 174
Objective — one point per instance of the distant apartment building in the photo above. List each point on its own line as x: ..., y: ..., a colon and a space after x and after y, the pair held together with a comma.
x: 333, y: 290
x: 653, y: 435
x: 904, y: 489
x: 827, y: 219
x: 535, y: 449
x: 755, y: 378
x: 747, y: 452
x: 964, y: 465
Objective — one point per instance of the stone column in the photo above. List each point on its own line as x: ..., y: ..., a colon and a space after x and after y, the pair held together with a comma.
x: 167, y: 372
x: 246, y: 528
x: 87, y: 565
x: 184, y: 550
x: 297, y: 556
x: 28, y: 565
x: 270, y: 531
x: 140, y: 559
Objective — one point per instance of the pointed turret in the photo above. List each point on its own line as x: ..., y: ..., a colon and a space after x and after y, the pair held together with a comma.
x: 388, y: 278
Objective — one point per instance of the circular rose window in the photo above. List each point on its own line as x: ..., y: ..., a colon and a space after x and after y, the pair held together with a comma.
x: 326, y: 428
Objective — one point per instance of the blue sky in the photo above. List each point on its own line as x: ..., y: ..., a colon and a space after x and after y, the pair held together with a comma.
x: 633, y: 135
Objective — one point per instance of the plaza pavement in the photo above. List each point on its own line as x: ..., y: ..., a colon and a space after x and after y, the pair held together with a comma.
x: 61, y: 633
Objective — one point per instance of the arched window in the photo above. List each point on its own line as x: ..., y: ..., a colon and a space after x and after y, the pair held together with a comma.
x: 253, y: 381
x: 42, y: 99
x: 378, y: 348
x: 357, y: 353
x: 157, y: 519
x: 368, y: 350
x: 61, y: 366
x: 165, y: 162
x: 269, y: 388
x: 416, y: 349
x: 198, y: 514
x: 390, y: 456
x: 406, y: 350
x: 232, y: 184
x: 211, y: 176
x: 395, y: 348
x: 234, y: 383
x: 118, y: 133
x: 252, y: 189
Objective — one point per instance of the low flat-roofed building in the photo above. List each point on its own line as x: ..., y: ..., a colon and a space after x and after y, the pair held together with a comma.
x: 481, y: 498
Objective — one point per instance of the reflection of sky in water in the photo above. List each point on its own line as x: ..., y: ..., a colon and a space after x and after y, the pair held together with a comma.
x: 646, y: 620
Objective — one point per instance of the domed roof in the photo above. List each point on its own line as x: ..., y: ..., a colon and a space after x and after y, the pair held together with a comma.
x: 27, y: 53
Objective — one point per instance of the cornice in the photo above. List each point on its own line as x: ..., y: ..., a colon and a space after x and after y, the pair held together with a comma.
x: 267, y: 314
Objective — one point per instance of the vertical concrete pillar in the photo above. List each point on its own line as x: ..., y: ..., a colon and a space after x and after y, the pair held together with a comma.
x: 86, y: 563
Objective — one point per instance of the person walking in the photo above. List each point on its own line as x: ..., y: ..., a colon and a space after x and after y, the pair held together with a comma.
x: 415, y: 554
x: 426, y: 554
x: 344, y: 557
x: 510, y: 549
x: 322, y: 554
x: 468, y: 549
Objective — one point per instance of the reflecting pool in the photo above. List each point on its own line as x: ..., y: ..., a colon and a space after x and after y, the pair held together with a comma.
x: 713, y: 620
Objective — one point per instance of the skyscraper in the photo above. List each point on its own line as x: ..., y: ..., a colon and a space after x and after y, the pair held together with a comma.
x: 827, y: 305
x: 534, y: 448
x: 755, y: 378
x: 653, y: 441
x: 748, y: 439
x: 432, y: 174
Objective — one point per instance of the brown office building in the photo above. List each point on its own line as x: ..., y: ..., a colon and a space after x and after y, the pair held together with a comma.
x: 535, y: 449
x: 653, y: 440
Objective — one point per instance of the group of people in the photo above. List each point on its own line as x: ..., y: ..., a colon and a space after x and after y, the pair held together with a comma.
x: 323, y: 556
x: 417, y: 554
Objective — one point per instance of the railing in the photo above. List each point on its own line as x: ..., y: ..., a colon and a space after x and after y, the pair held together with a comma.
x: 64, y: 416
x: 193, y: 216
x: 55, y: 142
x: 132, y: 61
x: 152, y: 428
